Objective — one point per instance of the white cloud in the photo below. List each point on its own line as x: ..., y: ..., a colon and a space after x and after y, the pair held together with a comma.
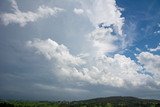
x: 66, y: 64
x: 106, y: 17
x: 157, y: 32
x: 103, y: 40
x: 158, y: 24
x: 150, y: 61
x: 14, y: 6
x: 155, y: 49
x: 78, y: 11
x: 118, y: 71
x: 103, y: 11
x: 146, y: 46
x: 22, y: 18
x: 137, y: 49
x: 52, y: 50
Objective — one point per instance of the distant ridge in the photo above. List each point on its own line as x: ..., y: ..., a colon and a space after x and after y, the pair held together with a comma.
x: 119, y: 101
x: 115, y: 101
x: 117, y: 98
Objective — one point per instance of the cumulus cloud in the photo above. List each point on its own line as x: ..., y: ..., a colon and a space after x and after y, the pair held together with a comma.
x: 106, y: 17
x: 117, y: 71
x: 67, y: 64
x: 78, y: 11
x: 52, y: 50
x: 100, y: 69
x: 22, y: 18
x: 103, y: 11
x: 150, y: 61
x: 103, y: 40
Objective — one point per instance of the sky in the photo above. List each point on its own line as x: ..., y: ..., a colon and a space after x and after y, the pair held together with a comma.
x: 79, y: 49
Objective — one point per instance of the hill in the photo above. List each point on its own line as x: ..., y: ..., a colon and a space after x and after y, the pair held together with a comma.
x: 97, y: 102
x: 118, y: 101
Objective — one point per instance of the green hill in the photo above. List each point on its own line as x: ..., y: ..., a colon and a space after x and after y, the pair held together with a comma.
x: 118, y: 102
x: 97, y: 102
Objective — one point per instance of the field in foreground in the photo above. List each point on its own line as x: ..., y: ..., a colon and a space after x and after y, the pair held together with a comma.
x: 98, y: 102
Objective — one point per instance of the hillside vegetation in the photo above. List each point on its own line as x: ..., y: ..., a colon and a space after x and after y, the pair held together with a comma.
x: 98, y: 102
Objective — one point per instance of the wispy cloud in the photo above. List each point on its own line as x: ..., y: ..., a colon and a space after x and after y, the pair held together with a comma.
x: 78, y: 11
x: 137, y: 49
x: 62, y: 89
x: 155, y: 49
x: 22, y: 18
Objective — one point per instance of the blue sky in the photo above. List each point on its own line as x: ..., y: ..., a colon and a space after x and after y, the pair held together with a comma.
x: 79, y: 49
